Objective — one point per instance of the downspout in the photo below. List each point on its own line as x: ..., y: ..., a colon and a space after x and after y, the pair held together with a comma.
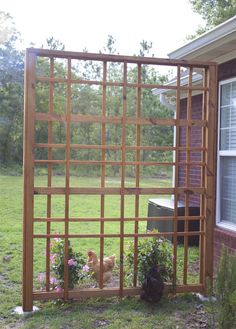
x: 164, y: 101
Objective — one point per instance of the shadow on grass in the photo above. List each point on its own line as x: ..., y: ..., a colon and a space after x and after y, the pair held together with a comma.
x: 129, y: 312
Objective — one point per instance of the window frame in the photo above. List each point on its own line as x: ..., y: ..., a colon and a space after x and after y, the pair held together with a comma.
x: 219, y: 222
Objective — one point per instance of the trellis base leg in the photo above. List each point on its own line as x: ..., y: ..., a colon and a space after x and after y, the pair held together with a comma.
x: 204, y: 298
x: 19, y: 311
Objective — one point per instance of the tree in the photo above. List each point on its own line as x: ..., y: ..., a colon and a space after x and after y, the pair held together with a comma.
x: 145, y: 48
x: 54, y: 44
x: 7, y: 29
x: 110, y: 46
x: 214, y: 12
x: 86, y: 99
x: 11, y: 93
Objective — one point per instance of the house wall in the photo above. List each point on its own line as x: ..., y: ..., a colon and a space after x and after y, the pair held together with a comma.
x: 195, y: 141
x: 221, y: 236
x: 227, y: 70
x: 226, y: 237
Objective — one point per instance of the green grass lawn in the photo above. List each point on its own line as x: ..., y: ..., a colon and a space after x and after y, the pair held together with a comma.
x: 108, y: 313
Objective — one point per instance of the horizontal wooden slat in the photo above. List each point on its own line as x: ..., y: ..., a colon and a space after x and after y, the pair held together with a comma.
x: 95, y: 147
x: 125, y: 235
x: 126, y: 219
x: 45, y: 79
x: 132, y: 163
x: 50, y: 117
x: 109, y: 292
x: 119, y: 163
x: 86, y: 293
x: 117, y: 147
x: 49, y: 161
x: 49, y: 145
x: 186, y: 288
x: 40, y: 116
x: 117, y: 191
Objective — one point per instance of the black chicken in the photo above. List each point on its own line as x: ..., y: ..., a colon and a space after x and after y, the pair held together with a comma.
x: 153, y: 286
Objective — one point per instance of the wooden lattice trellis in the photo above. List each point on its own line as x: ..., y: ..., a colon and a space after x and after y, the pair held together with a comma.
x: 205, y: 190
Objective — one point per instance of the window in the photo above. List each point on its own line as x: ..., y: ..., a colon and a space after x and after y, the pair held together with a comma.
x: 226, y: 187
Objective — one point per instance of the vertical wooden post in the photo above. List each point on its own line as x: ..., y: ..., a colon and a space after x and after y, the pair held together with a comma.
x: 49, y: 197
x: 103, y: 172
x: 67, y: 189
x: 176, y: 179
x: 28, y: 170
x: 187, y: 175
x: 122, y: 190
x: 210, y: 170
x: 202, y: 238
x: 137, y: 178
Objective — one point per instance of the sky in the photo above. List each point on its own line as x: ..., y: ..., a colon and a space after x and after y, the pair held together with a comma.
x: 86, y: 24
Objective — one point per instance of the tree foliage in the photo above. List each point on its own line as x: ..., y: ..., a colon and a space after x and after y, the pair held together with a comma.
x: 11, y: 97
x: 86, y: 99
x: 214, y: 12
x: 7, y: 28
x: 226, y: 289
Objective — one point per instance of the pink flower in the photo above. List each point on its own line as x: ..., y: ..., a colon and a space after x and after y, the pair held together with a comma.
x: 58, y: 289
x: 53, y: 280
x: 53, y: 258
x: 86, y: 268
x: 41, y: 277
x: 71, y: 262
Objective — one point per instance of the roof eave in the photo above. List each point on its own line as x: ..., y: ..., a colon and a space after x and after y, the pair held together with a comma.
x: 205, y: 40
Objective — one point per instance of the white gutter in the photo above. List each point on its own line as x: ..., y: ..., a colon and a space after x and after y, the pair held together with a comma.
x: 217, y: 33
x: 165, y: 101
x: 196, y: 77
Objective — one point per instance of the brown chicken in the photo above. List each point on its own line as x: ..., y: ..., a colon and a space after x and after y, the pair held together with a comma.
x: 94, y: 264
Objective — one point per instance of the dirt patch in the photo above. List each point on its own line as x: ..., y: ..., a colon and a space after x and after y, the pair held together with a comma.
x: 194, y: 268
x: 101, y: 323
x: 97, y: 309
x: 113, y: 283
x: 16, y: 325
x: 199, y: 318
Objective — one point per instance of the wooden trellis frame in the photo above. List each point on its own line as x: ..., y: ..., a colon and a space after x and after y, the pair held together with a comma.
x: 206, y: 190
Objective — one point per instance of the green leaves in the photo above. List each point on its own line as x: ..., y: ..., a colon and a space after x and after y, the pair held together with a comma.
x: 11, y: 97
x: 226, y: 289
x: 151, y: 252
x: 76, y: 262
x: 214, y: 12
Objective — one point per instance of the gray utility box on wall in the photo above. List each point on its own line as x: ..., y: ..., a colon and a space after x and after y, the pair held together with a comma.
x: 163, y: 208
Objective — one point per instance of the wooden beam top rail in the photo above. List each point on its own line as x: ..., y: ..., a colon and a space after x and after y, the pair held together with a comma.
x: 117, y: 58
